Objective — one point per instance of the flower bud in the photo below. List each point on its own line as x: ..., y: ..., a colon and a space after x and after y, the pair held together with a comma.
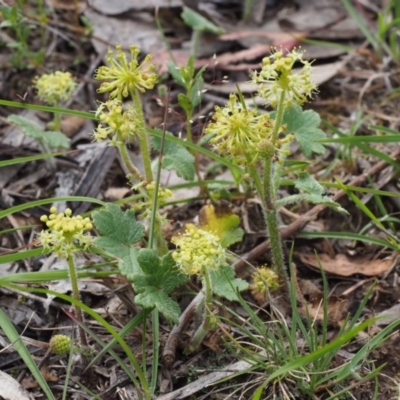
x: 266, y: 149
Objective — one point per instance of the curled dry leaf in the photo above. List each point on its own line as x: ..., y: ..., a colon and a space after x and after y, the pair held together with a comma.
x: 343, y: 265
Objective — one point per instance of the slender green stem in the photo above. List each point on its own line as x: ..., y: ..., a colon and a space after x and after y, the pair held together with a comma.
x: 203, y: 329
x: 155, y: 231
x: 75, y: 292
x: 278, y: 260
x: 269, y: 192
x: 156, y: 349
x: 195, y: 42
x: 279, y: 115
x: 57, y: 121
x: 189, y: 135
x: 135, y: 175
x: 144, y: 145
x: 257, y: 181
x: 248, y: 5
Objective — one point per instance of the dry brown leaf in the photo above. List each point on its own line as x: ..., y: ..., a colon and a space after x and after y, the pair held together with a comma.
x: 77, y: 6
x: 71, y: 124
x: 344, y: 266
x: 49, y: 374
x: 114, y: 193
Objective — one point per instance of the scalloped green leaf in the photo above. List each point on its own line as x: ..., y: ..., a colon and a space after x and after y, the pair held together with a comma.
x: 224, y: 283
x: 176, y: 157
x: 159, y: 277
x: 54, y: 139
x: 305, y: 127
x: 119, y: 232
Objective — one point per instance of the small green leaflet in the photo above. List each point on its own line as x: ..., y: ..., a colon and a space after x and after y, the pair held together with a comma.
x: 176, y: 157
x: 305, y: 127
x: 315, y: 193
x: 119, y: 232
x: 158, y: 278
x: 224, y: 283
x: 32, y: 129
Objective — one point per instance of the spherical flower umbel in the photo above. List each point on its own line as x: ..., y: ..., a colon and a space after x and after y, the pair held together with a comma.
x: 264, y: 279
x: 198, y: 251
x: 117, y: 123
x: 126, y: 76
x: 238, y: 130
x: 60, y: 344
x: 277, y: 76
x: 65, y: 232
x: 55, y: 88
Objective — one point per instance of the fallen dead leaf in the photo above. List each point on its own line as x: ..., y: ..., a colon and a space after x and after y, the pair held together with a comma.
x: 344, y: 266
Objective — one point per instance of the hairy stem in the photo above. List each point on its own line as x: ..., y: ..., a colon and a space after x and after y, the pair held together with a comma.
x: 143, y: 140
x: 203, y: 329
x: 135, y: 175
x: 75, y: 293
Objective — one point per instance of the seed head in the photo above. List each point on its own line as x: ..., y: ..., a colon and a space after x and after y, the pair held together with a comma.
x: 60, y: 344
x: 126, y: 76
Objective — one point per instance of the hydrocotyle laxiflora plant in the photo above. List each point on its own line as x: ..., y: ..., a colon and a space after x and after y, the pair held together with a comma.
x: 260, y: 141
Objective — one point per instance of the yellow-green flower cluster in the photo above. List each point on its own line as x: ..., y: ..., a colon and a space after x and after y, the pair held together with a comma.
x: 55, y: 88
x: 116, y: 123
x: 60, y: 344
x: 198, y: 251
x: 264, y: 279
x: 238, y: 131
x: 145, y: 207
x: 277, y: 76
x: 163, y: 194
x: 65, y: 232
x: 126, y: 76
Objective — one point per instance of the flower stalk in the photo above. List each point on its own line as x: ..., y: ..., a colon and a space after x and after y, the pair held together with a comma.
x: 199, y: 252
x: 65, y: 236
x: 249, y: 137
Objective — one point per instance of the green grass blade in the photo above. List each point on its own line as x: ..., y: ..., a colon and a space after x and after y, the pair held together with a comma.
x: 21, y: 255
x: 22, y: 160
x: 31, y: 204
x: 360, y: 204
x: 362, y: 139
x: 158, y: 133
x: 13, y: 336
x: 362, y: 25
x: 48, y: 276
x: 101, y: 321
x: 58, y: 110
x: 348, y: 236
x: 331, y: 347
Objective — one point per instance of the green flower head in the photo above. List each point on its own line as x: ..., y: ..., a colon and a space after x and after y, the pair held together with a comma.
x: 277, y: 77
x: 264, y: 279
x: 238, y: 131
x: 55, y: 88
x: 198, y: 251
x: 60, y: 344
x: 65, y: 232
x: 126, y: 76
x: 117, y: 123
